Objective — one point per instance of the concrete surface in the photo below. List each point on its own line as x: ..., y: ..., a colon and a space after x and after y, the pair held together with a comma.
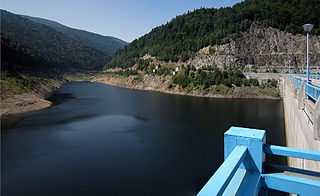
x: 302, y: 120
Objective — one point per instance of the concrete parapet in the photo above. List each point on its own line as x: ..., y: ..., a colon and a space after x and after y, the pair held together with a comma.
x: 302, y: 119
x: 316, y: 120
x: 301, y: 95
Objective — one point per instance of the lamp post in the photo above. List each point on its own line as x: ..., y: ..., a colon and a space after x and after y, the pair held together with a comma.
x: 307, y: 28
x: 290, y: 63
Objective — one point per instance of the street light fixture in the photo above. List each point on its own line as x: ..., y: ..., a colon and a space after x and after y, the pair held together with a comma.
x: 307, y: 28
x: 290, y: 58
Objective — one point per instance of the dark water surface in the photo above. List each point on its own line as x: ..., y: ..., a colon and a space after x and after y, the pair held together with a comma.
x: 104, y: 140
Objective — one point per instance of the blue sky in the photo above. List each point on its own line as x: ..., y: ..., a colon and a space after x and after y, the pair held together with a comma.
x: 125, y: 19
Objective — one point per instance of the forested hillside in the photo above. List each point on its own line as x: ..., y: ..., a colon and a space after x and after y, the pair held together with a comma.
x: 48, y: 48
x: 106, y: 44
x: 184, y: 35
x: 17, y: 59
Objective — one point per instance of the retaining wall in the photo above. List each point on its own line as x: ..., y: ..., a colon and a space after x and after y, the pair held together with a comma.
x: 302, y: 120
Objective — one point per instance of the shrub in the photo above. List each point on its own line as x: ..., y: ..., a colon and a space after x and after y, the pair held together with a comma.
x: 254, y: 82
x: 170, y: 86
x: 137, y: 79
x: 222, y: 89
x: 274, y: 83
x: 212, y: 50
x: 245, y: 82
x: 260, y: 36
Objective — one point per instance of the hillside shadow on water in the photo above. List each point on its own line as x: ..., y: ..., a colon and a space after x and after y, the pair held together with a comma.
x: 58, y: 98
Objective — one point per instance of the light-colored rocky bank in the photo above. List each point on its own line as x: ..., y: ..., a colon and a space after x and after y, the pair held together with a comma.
x: 160, y: 84
x: 36, y: 100
x: 13, y: 104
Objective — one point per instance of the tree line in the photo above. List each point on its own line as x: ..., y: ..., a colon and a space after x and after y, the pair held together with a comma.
x: 184, y: 35
x: 210, y: 76
x: 50, y: 47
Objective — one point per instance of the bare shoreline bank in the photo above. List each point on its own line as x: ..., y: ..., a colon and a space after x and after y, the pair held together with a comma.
x: 30, y: 101
x: 159, y: 84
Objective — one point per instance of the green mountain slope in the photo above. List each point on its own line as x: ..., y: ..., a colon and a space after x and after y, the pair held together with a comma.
x: 17, y: 59
x: 55, y: 48
x: 105, y: 44
x: 184, y: 35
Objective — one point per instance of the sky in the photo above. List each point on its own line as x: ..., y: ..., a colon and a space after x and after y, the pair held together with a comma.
x: 124, y: 19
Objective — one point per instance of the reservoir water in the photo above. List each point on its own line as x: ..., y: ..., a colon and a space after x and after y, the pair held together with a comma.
x: 102, y: 140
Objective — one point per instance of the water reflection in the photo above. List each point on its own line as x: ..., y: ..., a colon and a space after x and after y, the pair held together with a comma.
x: 103, y: 140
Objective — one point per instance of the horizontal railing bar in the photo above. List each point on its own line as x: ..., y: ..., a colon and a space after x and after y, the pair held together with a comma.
x: 292, y: 152
x: 291, y: 183
x: 312, y: 91
x: 312, y: 86
x: 222, y: 177
x: 295, y: 170
x: 305, y: 75
x: 314, y: 83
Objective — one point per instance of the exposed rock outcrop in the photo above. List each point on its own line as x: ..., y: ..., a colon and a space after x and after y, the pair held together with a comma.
x: 265, y: 48
x: 259, y: 48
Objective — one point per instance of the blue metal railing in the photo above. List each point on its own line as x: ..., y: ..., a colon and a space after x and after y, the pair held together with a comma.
x: 293, y: 183
x: 312, y: 91
x: 292, y: 152
x: 313, y: 76
x: 241, y: 173
x: 222, y: 177
x: 299, y: 83
x: 314, y: 83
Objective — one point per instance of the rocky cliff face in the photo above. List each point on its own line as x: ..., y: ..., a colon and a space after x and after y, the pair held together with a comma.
x: 266, y: 48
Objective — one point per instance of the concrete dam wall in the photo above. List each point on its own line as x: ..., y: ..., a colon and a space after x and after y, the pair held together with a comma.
x: 302, y: 120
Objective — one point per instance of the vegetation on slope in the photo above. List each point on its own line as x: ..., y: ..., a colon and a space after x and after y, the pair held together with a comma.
x: 214, y: 80
x: 51, y: 46
x: 184, y: 35
x: 11, y: 85
x: 229, y: 82
x: 21, y: 69
x: 210, y: 76
x: 107, y: 44
x: 17, y: 59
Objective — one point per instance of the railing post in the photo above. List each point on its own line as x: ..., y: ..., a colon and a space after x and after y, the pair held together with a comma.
x: 253, y: 139
x: 241, y: 171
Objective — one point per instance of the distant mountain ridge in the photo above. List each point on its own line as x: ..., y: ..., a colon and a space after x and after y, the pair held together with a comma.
x: 50, y: 50
x: 180, y: 39
x: 17, y: 59
x: 106, y: 44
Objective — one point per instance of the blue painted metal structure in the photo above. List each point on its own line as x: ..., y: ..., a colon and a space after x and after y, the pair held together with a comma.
x: 242, y: 173
x: 292, y: 152
x: 312, y: 76
x: 299, y: 83
x: 312, y: 89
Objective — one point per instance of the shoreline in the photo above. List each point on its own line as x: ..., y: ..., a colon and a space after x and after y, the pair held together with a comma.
x: 23, y: 103
x: 37, y: 100
x: 125, y: 82
x: 29, y: 102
